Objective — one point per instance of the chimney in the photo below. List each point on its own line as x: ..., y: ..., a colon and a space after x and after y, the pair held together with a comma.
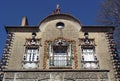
x: 24, y: 21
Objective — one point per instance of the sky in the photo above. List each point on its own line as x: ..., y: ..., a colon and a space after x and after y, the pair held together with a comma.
x: 12, y: 11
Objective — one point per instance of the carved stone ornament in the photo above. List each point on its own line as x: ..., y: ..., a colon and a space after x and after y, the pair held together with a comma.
x: 60, y: 41
x: 33, y: 42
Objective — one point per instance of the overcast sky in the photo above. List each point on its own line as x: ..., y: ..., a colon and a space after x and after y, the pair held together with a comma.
x: 11, y: 12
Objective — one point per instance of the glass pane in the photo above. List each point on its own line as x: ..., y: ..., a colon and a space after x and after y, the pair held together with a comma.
x: 60, y: 49
x: 28, y: 51
x: 31, y: 54
x: 27, y: 57
x: 60, y: 60
x: 35, y: 57
x: 88, y: 54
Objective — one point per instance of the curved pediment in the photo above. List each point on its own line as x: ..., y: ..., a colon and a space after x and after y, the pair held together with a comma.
x: 65, y: 18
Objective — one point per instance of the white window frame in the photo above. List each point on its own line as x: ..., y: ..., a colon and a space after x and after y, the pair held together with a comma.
x: 61, y: 60
x: 89, y: 60
x: 31, y: 54
x: 88, y: 54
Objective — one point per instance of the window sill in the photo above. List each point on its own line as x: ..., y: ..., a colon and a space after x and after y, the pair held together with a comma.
x: 61, y: 67
x: 30, y: 61
x: 96, y: 61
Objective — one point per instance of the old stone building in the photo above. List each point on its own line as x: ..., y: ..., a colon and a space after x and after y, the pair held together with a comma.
x: 60, y: 48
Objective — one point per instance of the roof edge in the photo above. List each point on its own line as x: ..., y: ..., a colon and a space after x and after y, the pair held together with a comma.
x: 53, y: 15
x: 98, y: 28
x: 21, y: 29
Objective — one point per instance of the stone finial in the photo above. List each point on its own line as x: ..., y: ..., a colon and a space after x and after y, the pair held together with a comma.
x: 58, y: 9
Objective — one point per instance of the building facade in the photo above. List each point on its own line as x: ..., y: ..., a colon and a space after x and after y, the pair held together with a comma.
x: 60, y: 48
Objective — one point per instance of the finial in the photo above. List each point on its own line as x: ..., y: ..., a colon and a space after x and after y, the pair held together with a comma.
x: 58, y: 9
x: 58, y: 6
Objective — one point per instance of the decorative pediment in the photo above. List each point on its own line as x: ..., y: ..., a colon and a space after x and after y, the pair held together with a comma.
x: 32, y: 42
x: 60, y: 42
x: 86, y: 42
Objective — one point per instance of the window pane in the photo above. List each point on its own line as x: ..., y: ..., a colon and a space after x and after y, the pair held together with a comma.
x: 89, y: 59
x: 60, y: 60
x: 88, y: 54
x: 27, y: 57
x: 60, y: 54
x: 35, y: 57
x: 31, y: 55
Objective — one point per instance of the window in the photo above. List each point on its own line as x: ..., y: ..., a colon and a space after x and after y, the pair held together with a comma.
x: 31, y: 58
x: 60, y: 53
x: 31, y: 55
x: 60, y: 25
x: 88, y: 55
x: 89, y: 60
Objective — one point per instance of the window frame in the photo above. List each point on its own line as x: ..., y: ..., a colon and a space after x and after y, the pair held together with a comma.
x: 31, y: 59
x: 47, y: 53
x: 53, y: 55
x: 90, y: 45
x: 91, y: 63
x: 28, y: 62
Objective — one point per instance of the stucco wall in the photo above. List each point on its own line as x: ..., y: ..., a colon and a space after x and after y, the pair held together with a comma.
x: 71, y: 31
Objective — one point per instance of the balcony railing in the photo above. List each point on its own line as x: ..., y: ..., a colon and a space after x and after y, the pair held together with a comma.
x: 90, y: 64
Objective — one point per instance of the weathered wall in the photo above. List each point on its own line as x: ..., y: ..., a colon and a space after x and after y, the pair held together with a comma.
x: 71, y: 31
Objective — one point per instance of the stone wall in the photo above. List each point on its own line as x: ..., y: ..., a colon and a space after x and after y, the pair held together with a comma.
x: 57, y: 76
